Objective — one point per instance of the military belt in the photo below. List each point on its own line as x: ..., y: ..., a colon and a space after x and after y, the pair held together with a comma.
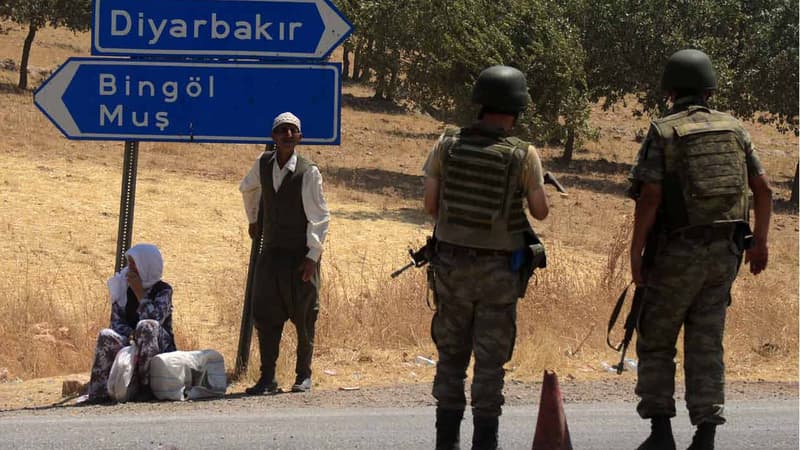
x: 707, y: 233
x: 460, y: 250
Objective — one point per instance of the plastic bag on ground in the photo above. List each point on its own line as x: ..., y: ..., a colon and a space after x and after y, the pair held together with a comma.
x: 120, y: 384
x: 188, y: 375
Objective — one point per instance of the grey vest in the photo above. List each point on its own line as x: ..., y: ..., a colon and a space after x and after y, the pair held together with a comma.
x: 481, y: 204
x: 284, y: 219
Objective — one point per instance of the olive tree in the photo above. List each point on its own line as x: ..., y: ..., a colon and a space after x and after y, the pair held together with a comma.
x: 35, y: 14
x: 452, y: 41
x: 753, y: 45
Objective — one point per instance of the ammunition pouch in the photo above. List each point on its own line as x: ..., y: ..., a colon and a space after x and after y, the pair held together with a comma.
x: 533, y: 257
x: 743, y: 236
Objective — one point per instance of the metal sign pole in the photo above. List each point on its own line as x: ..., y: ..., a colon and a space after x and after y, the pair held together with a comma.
x: 126, y: 202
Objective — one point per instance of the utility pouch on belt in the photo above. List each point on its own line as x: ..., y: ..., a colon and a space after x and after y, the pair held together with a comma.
x: 527, y: 259
x: 743, y: 236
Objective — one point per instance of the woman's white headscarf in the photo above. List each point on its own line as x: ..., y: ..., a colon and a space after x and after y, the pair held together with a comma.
x: 150, y: 266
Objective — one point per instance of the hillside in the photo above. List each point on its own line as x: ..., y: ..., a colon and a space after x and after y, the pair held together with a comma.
x: 59, y: 212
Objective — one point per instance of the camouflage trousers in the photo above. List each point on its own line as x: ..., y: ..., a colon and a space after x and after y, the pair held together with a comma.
x: 688, y: 286
x: 476, y: 312
x: 109, y: 342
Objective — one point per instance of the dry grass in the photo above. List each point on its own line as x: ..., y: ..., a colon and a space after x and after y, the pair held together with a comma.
x: 58, y: 220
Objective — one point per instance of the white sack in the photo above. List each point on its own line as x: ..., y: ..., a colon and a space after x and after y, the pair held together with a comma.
x: 182, y: 375
x: 120, y: 386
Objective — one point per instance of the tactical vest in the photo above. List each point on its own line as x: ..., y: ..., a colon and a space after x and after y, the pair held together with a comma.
x: 480, y: 203
x: 705, y: 172
x: 284, y: 219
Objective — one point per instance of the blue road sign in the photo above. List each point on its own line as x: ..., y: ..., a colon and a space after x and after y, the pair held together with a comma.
x: 237, y: 29
x: 143, y: 100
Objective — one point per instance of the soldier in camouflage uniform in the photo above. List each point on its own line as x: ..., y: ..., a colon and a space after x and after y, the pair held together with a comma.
x: 476, y: 180
x: 690, y: 183
x: 141, y: 311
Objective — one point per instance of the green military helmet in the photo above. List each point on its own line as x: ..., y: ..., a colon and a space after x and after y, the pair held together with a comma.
x: 501, y: 88
x: 689, y: 70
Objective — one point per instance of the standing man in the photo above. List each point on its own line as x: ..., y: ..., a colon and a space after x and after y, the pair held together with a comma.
x: 287, y: 188
x: 690, y: 185
x: 476, y: 180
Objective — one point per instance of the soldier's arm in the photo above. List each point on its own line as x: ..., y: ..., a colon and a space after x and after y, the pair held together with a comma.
x: 433, y: 171
x: 758, y: 254
x: 537, y: 202
x: 644, y: 220
x: 534, y: 184
x: 431, y: 198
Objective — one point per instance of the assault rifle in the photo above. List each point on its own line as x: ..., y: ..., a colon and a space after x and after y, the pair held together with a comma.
x: 549, y: 178
x: 418, y: 258
x: 630, y: 324
x: 637, y: 304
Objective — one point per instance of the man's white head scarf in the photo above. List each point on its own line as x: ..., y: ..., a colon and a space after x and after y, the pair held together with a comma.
x: 286, y: 117
x: 150, y: 266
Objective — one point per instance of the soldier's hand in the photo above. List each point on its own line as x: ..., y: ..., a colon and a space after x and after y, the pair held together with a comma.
x: 254, y: 230
x: 636, y: 269
x: 757, y: 257
x: 308, y: 267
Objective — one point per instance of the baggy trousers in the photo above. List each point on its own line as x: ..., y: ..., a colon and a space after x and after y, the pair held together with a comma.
x: 688, y: 286
x: 476, y: 311
x: 109, y: 343
x: 280, y: 294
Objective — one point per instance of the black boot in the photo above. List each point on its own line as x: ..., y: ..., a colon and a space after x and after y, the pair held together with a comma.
x: 448, y: 428
x: 660, y: 435
x: 704, y: 437
x: 484, y: 435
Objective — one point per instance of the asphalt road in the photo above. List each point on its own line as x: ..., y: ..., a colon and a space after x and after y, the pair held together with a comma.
x: 763, y: 424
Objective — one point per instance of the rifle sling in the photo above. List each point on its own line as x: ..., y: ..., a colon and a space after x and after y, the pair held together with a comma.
x: 613, y: 319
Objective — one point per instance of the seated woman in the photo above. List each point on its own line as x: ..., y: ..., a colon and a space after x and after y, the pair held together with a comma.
x: 141, y: 312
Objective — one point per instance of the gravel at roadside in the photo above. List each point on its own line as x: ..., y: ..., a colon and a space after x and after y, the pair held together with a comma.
x: 410, y: 395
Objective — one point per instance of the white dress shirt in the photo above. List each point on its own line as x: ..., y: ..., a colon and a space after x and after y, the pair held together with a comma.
x: 311, y: 192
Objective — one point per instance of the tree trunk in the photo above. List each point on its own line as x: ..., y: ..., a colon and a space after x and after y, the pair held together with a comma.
x: 26, y: 53
x: 394, y: 76
x: 361, y: 64
x: 569, y: 145
x: 794, y: 198
x: 380, y: 84
x: 347, y: 49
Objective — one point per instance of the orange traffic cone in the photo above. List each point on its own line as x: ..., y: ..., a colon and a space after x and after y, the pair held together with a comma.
x: 552, y: 432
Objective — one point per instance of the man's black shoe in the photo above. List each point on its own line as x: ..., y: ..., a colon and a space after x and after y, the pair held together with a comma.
x: 265, y: 385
